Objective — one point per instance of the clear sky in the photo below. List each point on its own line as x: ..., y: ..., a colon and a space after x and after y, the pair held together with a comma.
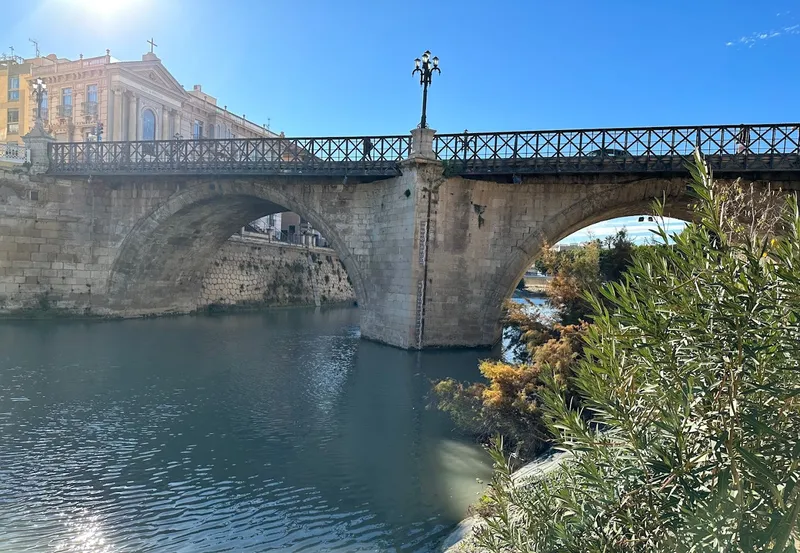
x: 343, y: 67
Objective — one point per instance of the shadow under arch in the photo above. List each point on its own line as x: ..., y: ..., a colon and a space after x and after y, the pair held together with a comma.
x: 163, y: 259
x: 586, y: 212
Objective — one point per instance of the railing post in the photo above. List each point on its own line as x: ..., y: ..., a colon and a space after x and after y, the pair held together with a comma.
x: 38, y: 144
x: 422, y: 143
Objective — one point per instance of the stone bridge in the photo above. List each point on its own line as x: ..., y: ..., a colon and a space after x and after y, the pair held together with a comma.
x: 434, y: 231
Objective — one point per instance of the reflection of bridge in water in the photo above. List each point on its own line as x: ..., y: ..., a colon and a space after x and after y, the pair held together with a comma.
x: 651, y: 150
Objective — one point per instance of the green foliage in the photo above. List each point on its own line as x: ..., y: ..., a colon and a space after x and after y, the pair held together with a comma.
x: 688, y: 438
x: 575, y: 272
x: 583, y: 270
x: 616, y: 256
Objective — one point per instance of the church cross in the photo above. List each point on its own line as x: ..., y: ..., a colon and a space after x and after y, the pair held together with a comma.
x: 152, y: 45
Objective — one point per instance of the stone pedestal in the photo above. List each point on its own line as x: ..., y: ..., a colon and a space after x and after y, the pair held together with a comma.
x: 422, y: 143
x: 37, y: 141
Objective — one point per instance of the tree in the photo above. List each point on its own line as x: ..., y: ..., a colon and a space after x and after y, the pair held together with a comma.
x: 688, y: 435
x: 616, y: 256
x: 575, y: 272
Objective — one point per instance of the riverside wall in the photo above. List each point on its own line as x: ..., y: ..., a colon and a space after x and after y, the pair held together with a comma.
x: 251, y: 272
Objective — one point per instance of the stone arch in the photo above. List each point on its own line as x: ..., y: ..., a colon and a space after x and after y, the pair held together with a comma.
x: 607, y: 202
x: 163, y: 258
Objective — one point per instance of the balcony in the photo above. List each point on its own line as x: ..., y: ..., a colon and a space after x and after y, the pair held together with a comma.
x: 14, y: 153
x: 89, y: 109
x: 65, y: 111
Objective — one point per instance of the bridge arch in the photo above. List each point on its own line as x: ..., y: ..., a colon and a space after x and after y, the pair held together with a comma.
x: 633, y: 198
x: 162, y: 260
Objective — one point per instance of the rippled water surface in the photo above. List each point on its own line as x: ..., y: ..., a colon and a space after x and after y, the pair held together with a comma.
x: 275, y: 431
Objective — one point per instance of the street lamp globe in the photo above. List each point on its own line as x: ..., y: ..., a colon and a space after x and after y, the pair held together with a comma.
x: 425, y: 69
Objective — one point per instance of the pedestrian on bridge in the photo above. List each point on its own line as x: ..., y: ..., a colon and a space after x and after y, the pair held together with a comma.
x: 367, y: 149
x: 744, y: 140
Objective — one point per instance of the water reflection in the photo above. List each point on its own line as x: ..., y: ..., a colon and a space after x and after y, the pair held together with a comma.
x: 278, y: 431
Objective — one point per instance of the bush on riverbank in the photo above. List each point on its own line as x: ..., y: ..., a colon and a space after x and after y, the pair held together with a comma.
x: 509, y: 403
x: 688, y: 438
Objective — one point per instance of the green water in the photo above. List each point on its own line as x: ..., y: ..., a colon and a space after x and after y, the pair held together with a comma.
x: 275, y: 431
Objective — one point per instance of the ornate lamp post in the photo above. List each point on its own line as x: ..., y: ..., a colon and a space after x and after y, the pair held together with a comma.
x: 425, y: 67
x: 39, y: 90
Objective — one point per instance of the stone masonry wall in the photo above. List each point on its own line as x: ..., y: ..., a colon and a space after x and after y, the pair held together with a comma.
x: 251, y: 272
x: 430, y: 258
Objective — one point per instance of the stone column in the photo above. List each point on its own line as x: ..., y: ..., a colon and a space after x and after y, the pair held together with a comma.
x: 132, y: 118
x: 177, y: 123
x: 116, y: 125
x: 164, y: 123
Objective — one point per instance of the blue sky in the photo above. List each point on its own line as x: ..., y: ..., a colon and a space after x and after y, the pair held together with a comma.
x: 333, y: 68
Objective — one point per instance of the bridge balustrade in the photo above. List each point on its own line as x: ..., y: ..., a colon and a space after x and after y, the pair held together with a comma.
x: 731, y: 148
x: 373, y: 155
x: 734, y: 148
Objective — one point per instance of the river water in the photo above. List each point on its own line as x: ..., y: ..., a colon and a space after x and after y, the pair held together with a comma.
x: 277, y: 431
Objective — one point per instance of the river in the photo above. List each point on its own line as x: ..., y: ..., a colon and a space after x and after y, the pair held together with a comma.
x: 279, y: 430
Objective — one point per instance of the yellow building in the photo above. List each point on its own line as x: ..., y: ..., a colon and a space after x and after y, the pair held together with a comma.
x: 16, y: 111
x: 131, y: 100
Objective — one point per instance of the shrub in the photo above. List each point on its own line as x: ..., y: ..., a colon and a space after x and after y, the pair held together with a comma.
x: 509, y: 403
x: 689, y: 434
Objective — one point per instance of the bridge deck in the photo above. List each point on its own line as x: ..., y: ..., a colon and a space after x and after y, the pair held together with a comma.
x: 732, y: 149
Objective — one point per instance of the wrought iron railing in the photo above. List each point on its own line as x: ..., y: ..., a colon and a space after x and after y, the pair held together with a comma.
x: 65, y: 110
x: 372, y: 155
x: 733, y: 148
x: 666, y: 149
x: 89, y: 108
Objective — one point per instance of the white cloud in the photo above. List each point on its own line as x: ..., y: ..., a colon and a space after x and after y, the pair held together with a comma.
x: 639, y: 232
x: 751, y: 40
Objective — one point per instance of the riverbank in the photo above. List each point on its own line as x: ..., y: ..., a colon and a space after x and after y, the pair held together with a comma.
x: 462, y: 539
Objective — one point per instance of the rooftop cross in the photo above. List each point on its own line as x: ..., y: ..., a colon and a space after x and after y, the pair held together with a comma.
x: 152, y: 44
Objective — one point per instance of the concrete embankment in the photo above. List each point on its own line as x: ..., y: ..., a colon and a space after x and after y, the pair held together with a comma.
x: 461, y: 540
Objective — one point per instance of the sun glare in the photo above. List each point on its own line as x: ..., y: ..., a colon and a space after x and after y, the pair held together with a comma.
x: 104, y: 8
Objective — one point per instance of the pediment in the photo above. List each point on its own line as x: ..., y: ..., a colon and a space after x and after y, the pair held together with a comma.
x: 152, y: 75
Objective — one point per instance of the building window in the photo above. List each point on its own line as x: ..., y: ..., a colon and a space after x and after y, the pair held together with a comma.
x: 13, y: 121
x: 13, y: 89
x: 90, y: 106
x: 197, y: 130
x: 66, y: 102
x: 148, y: 125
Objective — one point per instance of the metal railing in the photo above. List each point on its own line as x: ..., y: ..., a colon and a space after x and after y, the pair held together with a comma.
x: 373, y: 155
x: 89, y: 108
x: 65, y: 110
x: 14, y: 153
x: 733, y: 148
x: 634, y: 150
